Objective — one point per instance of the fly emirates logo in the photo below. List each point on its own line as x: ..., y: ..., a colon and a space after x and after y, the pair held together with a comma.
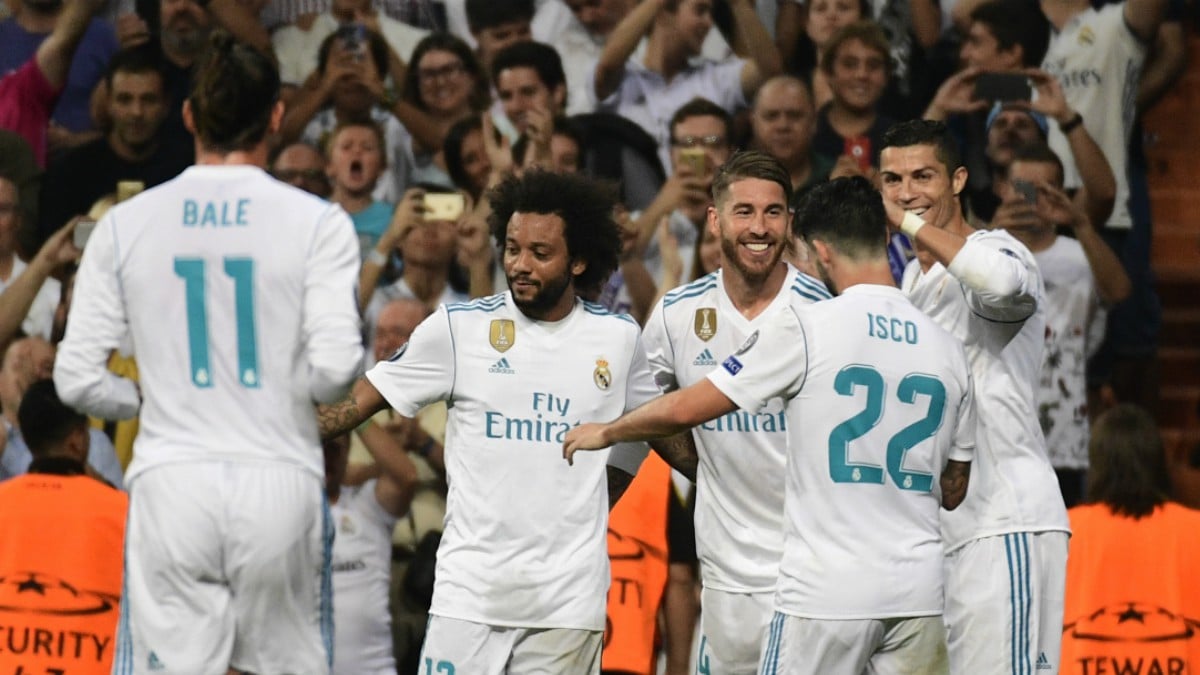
x: 547, y: 422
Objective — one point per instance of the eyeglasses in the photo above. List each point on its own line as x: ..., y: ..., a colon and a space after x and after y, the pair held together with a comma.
x: 446, y: 71
x: 699, y: 141
x: 289, y: 175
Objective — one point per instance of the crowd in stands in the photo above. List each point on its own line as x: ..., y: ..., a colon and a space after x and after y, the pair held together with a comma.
x: 405, y: 112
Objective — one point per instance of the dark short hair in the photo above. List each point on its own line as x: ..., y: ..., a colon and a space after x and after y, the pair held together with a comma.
x: 1128, y: 470
x: 702, y: 107
x: 925, y: 132
x: 585, y: 206
x: 846, y: 213
x: 1016, y: 22
x: 483, y: 14
x: 235, y: 88
x: 1041, y: 153
x: 348, y: 32
x: 445, y: 42
x: 750, y: 164
x: 141, y: 60
x: 542, y: 58
x: 866, y: 31
x: 45, y: 421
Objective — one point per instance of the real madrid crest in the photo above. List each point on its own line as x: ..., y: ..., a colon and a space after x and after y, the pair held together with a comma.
x: 502, y: 334
x: 705, y: 323
x: 602, y: 376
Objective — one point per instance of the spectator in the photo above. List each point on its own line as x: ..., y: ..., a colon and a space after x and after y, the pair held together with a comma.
x: 134, y: 148
x: 649, y: 90
x: 467, y: 159
x: 561, y: 153
x: 30, y: 91
x: 825, y: 17
x: 528, y: 78
x: 30, y: 25
x: 850, y: 127
x: 18, y: 162
x: 24, y: 362
x: 496, y: 24
x: 39, y: 317
x: 1082, y: 276
x: 349, y: 88
x: 1131, y: 596
x: 297, y: 46
x: 61, y: 544
x: 356, y: 160
x: 20, y: 294
x: 783, y: 122
x: 579, y: 38
x: 302, y: 165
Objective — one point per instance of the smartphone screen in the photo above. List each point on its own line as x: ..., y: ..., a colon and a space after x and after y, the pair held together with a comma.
x: 83, y: 232
x: 443, y: 206
x: 1002, y: 87
x: 859, y: 147
x: 696, y: 159
x: 1027, y: 190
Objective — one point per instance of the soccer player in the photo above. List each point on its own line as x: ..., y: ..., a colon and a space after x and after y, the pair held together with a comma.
x: 238, y: 293
x: 522, y: 568
x: 1006, y: 547
x: 880, y: 432
x: 739, y: 494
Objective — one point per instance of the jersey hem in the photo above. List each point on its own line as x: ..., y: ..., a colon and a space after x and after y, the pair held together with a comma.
x: 136, y: 469
x: 914, y: 614
x: 595, y: 628
x: 734, y: 589
x: 950, y: 548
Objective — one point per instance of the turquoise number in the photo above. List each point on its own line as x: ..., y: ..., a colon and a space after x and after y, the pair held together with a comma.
x: 840, y: 469
x: 912, y: 385
x: 442, y: 667
x: 241, y: 270
x: 702, y: 667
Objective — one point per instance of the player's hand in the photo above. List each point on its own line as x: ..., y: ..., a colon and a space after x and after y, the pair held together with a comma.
x: 895, y: 214
x: 584, y: 437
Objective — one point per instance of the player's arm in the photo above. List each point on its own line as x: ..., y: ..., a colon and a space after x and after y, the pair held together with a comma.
x: 363, y: 401
x: 954, y: 481
x: 618, y: 482
x: 679, y: 452
x: 664, y: 416
x: 957, y: 472
x: 397, y: 474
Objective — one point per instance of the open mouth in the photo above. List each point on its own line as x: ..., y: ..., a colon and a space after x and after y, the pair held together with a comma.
x: 356, y: 170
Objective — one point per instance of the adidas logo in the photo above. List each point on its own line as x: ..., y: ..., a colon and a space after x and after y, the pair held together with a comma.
x: 502, y: 367
x: 1043, y: 663
x: 705, y: 359
x: 153, y: 663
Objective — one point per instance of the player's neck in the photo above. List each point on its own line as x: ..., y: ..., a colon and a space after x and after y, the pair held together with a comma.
x: 875, y: 272
x: 256, y: 156
x: 752, y: 296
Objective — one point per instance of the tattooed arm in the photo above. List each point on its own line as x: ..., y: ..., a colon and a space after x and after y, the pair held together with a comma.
x: 679, y: 451
x: 954, y: 483
x: 618, y: 481
x: 363, y: 401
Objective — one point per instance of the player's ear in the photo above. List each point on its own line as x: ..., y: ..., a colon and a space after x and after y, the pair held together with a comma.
x: 189, y: 122
x: 277, y: 117
x: 578, y: 265
x: 822, y: 251
x: 958, y: 180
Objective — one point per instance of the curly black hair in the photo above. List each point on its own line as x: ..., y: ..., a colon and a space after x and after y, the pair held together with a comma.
x: 585, y: 206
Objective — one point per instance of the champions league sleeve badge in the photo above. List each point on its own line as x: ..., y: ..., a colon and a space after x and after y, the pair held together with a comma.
x: 502, y: 334
x: 705, y: 323
x: 602, y: 376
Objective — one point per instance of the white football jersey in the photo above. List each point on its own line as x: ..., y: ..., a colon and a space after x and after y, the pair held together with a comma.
x: 1012, y: 488
x: 238, y: 292
x: 739, y: 483
x: 879, y: 398
x: 524, y: 542
x: 362, y: 570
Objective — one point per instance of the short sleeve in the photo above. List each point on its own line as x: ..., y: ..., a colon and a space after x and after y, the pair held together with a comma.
x: 422, y: 370
x: 772, y: 362
x: 659, y: 354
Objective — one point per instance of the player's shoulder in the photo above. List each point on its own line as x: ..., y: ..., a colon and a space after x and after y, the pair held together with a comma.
x: 1002, y: 241
x: 805, y: 289
x: 691, y: 293
x: 595, y: 311
x: 487, y: 305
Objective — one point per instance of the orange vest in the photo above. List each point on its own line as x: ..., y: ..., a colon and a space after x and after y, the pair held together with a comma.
x: 60, y: 574
x: 637, y: 553
x: 1133, y: 593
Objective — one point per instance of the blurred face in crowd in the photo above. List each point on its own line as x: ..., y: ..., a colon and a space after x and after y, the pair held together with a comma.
x: 350, y: 94
x: 752, y: 220
x: 185, y: 26
x: 783, y: 120
x: 709, y: 250
x: 444, y: 83
x: 432, y: 244
x: 599, y: 17
x: 475, y: 160
x: 521, y: 90
x: 825, y: 17
x: 355, y: 160
x: 26, y: 361
x: 1031, y: 172
x: 397, y: 320
x: 690, y: 23
x: 1010, y: 131
x: 492, y: 40
x: 980, y: 49
x: 137, y: 107
x: 300, y: 165
x: 347, y: 8
x: 10, y: 205
x: 859, y: 74
x: 564, y: 154
x: 916, y: 179
x: 710, y: 134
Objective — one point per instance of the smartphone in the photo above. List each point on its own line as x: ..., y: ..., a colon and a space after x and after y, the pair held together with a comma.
x: 444, y: 205
x: 859, y: 147
x: 696, y: 159
x: 83, y: 232
x: 1002, y: 87
x: 128, y: 189
x: 1027, y: 190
